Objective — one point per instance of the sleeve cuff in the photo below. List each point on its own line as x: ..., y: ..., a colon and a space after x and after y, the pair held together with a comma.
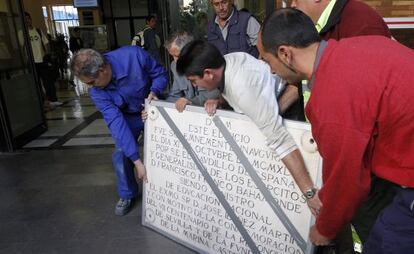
x: 134, y: 157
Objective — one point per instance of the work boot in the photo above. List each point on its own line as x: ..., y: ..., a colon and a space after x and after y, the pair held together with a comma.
x: 123, y: 206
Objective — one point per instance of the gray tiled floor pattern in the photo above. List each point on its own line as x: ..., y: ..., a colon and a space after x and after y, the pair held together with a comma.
x: 62, y: 200
x: 62, y: 120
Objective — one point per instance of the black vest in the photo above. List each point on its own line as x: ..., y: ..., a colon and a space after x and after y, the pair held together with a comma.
x: 237, y: 39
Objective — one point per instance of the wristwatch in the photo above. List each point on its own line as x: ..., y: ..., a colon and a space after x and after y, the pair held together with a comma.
x: 308, y: 194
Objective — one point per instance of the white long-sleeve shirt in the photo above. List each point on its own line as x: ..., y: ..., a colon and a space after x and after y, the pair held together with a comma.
x: 250, y: 89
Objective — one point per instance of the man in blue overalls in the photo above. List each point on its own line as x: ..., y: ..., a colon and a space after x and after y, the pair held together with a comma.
x: 119, y: 82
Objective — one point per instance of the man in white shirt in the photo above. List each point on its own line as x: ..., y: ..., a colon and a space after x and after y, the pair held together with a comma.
x: 248, y: 85
x: 40, y: 47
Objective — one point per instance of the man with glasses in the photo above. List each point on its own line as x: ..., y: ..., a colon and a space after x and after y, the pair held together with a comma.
x: 231, y: 30
x: 119, y: 81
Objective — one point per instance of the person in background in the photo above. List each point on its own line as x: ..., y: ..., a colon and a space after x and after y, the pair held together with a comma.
x: 75, y: 41
x: 119, y: 82
x: 60, y: 50
x: 361, y: 122
x: 43, y: 60
x: 231, y: 30
x: 247, y: 84
x: 182, y: 92
x: 148, y: 38
x: 75, y: 44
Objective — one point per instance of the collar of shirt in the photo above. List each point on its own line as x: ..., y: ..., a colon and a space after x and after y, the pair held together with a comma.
x: 323, y: 19
x: 119, y: 71
x: 227, y: 20
x: 322, y: 46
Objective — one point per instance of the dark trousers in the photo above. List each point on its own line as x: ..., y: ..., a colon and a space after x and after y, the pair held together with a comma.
x: 393, y: 231
x: 381, y: 195
x: 48, y: 79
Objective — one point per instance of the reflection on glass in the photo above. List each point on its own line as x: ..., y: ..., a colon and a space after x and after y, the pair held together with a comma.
x: 255, y: 7
x: 120, y: 8
x: 10, y: 54
x: 139, y: 24
x: 139, y: 8
x: 123, y: 32
x: 20, y: 98
x: 107, y: 8
x: 194, y: 17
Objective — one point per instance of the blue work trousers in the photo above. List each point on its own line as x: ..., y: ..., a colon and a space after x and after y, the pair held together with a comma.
x: 393, y: 231
x: 123, y: 166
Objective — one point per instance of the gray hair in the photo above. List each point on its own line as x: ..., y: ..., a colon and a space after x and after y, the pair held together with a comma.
x: 180, y: 39
x: 86, y: 62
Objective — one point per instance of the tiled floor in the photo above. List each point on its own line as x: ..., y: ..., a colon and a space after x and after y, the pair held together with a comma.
x: 57, y: 195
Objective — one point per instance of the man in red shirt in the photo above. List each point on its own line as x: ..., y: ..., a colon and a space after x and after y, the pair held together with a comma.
x: 334, y: 19
x: 362, y: 119
x: 339, y: 19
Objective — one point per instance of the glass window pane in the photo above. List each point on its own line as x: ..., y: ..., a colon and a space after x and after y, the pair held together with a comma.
x: 139, y: 7
x: 20, y: 94
x: 44, y: 10
x: 18, y: 91
x: 15, y: 7
x: 3, y: 6
x: 123, y: 33
x: 111, y: 32
x: 107, y: 8
x: 139, y: 24
x: 120, y: 8
x: 255, y: 7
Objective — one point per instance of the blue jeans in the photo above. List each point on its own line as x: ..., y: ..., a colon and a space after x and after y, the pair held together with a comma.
x: 393, y: 232
x: 124, y: 168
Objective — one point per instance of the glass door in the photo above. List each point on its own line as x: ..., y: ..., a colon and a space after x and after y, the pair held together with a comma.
x: 21, y: 111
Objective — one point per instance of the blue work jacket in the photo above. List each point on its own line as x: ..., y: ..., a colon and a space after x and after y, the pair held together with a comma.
x: 134, y: 74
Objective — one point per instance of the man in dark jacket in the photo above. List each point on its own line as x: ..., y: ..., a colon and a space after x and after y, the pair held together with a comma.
x: 75, y: 41
x: 231, y: 30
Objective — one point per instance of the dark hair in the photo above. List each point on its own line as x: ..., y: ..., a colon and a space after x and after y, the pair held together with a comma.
x: 288, y: 26
x: 76, y: 29
x: 26, y: 14
x: 197, y: 56
x: 148, y: 18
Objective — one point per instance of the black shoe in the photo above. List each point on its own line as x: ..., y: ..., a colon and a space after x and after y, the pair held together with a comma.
x: 123, y: 206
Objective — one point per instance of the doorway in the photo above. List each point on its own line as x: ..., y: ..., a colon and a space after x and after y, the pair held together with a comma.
x: 21, y: 106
